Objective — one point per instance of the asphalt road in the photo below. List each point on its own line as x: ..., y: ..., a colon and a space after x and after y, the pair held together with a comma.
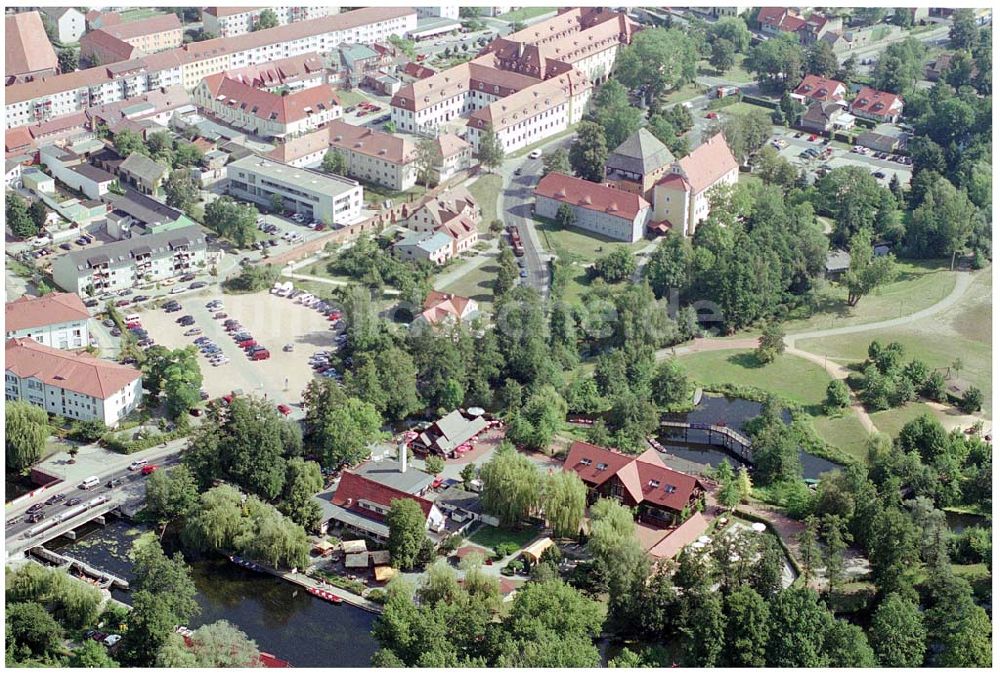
x: 517, y: 201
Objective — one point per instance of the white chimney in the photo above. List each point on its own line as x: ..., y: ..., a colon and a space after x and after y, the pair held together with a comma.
x: 402, y: 457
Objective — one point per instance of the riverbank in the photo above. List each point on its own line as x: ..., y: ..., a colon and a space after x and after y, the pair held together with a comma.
x: 307, y: 582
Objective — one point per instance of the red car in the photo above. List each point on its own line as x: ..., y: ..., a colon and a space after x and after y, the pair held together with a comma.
x: 812, y: 139
x: 247, y: 343
x: 319, y: 227
x: 712, y: 115
x: 123, y: 303
x: 149, y: 469
x: 335, y: 316
x: 261, y: 355
x: 284, y: 409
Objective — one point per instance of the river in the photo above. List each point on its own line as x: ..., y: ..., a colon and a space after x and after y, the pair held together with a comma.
x: 282, y: 618
x: 733, y: 413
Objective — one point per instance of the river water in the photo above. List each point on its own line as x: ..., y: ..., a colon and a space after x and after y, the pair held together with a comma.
x: 733, y: 413
x: 282, y: 618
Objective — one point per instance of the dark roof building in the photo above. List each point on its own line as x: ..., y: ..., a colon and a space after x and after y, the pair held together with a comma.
x: 638, y: 163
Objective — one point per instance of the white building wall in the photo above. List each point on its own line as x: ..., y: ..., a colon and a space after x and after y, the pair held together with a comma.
x: 71, y: 335
x: 612, y: 226
x: 73, y: 405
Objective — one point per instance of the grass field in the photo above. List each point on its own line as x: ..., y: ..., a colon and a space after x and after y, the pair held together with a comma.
x: 742, y: 108
x: 485, y: 190
x: 577, y: 250
x: 685, y: 93
x: 919, y: 285
x: 525, y: 13
x: 139, y: 13
x: 791, y: 377
x: 349, y: 97
x: 735, y: 74
x: 490, y: 537
x: 478, y: 285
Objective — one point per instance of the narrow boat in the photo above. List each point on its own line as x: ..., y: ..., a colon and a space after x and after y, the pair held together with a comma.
x: 323, y: 594
x: 246, y: 563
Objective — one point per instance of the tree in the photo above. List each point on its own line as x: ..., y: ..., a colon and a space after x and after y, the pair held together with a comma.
x: 770, y: 344
x: 434, y: 464
x: 866, y: 271
x: 277, y: 203
x: 491, y: 152
x: 39, y: 213
x: 564, y: 500
x: 32, y: 631
x: 427, y: 159
x: 149, y: 625
x: 407, y: 532
x: 670, y: 384
x: 847, y: 645
x: 511, y: 485
x: 267, y: 19
x: 232, y: 220
x: 176, y: 374
x: 615, y: 267
x: 180, y: 189
x: 798, y: 626
x: 900, y: 66
x: 942, y: 223
x: 27, y: 429
x: 613, y: 112
x: 222, y: 644
x: 346, y: 432
x: 91, y: 654
x: 777, y: 62
x: 20, y: 223
x: 723, y: 55
x: 171, y: 494
x: 168, y: 579
x: 964, y: 32
x: 745, y: 134
x: 335, y: 162
x: 506, y: 271
x: 69, y: 60
x: 733, y: 29
x: 187, y: 155
x: 703, y: 628
x: 838, y: 396
x: 820, y: 59
x: 658, y: 60
x: 128, y: 142
x: 848, y: 70
x: 898, y: 634
x: 747, y: 628
x: 557, y: 160
x: 302, y: 481
x: 589, y: 152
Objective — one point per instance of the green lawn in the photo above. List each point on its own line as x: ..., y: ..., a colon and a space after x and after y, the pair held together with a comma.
x: 485, y: 190
x: 349, y: 97
x: 919, y: 285
x: 735, y: 74
x: 379, y: 193
x: 742, y: 108
x: 577, y: 250
x: 490, y: 537
x: 794, y: 378
x: 892, y: 421
x: 478, y: 285
x: 526, y: 13
x: 685, y: 93
x: 139, y: 13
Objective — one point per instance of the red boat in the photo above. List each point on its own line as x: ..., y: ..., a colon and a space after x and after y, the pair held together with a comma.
x: 323, y: 594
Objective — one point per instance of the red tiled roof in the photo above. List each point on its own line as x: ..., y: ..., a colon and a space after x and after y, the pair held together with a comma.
x: 301, y: 146
x: 229, y: 11
x: 354, y: 488
x: 418, y: 71
x: 27, y: 48
x: 645, y: 476
x: 75, y: 372
x: 370, y: 142
x: 107, y: 46
x: 150, y: 26
x: 34, y: 312
x: 266, y: 105
x: 685, y: 534
x: 876, y: 102
x: 592, y: 196
x: 275, y: 73
x: 707, y: 164
x: 771, y: 16
x: 445, y: 304
x: 821, y: 89
x: 530, y: 101
x: 17, y: 141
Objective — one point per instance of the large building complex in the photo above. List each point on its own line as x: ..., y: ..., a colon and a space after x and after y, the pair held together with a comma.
x: 131, y: 262
x: 74, y: 386
x: 46, y: 97
x: 526, y: 86
x: 58, y: 320
x: 325, y: 198
x: 124, y: 41
x: 232, y: 21
x: 374, y: 156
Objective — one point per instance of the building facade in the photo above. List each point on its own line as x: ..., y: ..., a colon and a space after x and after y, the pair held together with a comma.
x: 131, y: 262
x: 74, y: 386
x: 318, y: 196
x: 604, y: 210
x: 58, y: 320
x: 232, y: 21
x: 70, y: 23
x: 681, y: 197
x: 374, y: 156
x: 28, y: 54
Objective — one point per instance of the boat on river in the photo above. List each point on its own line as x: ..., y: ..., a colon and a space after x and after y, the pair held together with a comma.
x: 323, y: 594
x: 247, y: 564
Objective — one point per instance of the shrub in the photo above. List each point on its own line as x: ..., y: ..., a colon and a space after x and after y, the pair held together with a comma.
x: 376, y: 595
x: 972, y: 400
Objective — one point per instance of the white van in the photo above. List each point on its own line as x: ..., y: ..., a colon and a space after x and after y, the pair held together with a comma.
x: 90, y: 482
x: 132, y: 318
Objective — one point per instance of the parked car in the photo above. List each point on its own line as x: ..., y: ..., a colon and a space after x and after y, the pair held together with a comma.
x: 108, y: 323
x: 111, y: 640
x: 198, y: 284
x: 220, y: 315
x: 261, y: 355
x: 123, y: 303
x: 186, y: 277
x: 73, y: 501
x: 284, y: 409
x: 150, y: 469
x: 535, y: 154
x: 192, y: 332
x: 137, y: 464
x: 35, y: 508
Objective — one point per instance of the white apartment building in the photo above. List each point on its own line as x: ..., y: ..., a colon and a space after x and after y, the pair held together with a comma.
x: 232, y: 21
x: 267, y: 114
x: 318, y: 196
x: 443, y: 12
x: 58, y: 320
x: 75, y: 386
x: 533, y: 114
x: 47, y: 97
x: 130, y: 263
x: 374, y: 156
x: 70, y: 22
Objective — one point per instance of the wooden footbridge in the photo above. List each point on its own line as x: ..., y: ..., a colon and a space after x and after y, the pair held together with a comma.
x: 718, y: 435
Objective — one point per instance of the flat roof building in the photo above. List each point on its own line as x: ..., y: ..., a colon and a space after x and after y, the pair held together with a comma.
x: 326, y: 198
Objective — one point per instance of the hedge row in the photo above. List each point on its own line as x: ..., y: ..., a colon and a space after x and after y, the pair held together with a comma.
x: 116, y: 444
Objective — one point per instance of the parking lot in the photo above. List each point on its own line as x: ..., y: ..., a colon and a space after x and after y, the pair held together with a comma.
x: 838, y: 157
x: 272, y: 321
